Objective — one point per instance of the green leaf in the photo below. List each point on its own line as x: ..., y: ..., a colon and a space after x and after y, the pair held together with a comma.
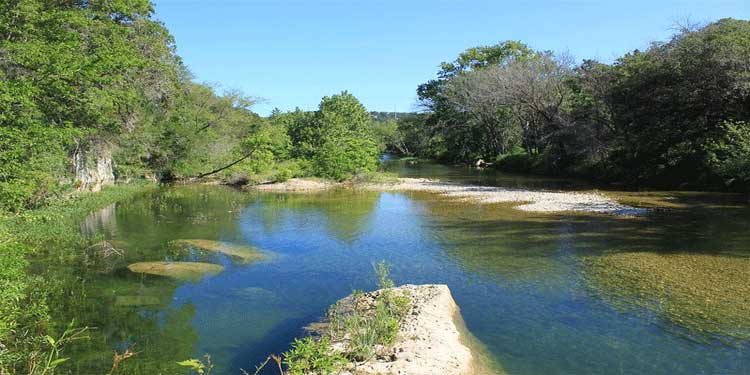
x: 57, y: 362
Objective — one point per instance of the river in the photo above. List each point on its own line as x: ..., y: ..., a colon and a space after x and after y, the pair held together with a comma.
x: 544, y: 293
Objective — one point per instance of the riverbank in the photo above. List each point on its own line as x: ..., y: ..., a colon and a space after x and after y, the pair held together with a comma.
x: 23, y: 304
x: 430, y: 340
x: 529, y: 200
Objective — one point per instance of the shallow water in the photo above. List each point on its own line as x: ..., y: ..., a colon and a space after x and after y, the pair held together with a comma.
x: 518, y: 277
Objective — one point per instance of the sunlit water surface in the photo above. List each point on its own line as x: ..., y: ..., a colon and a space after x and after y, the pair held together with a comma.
x: 516, y: 276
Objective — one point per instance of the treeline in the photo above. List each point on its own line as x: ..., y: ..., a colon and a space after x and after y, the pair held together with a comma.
x: 674, y: 115
x: 88, y: 86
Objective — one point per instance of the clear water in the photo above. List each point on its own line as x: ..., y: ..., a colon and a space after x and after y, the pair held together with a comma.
x: 515, y: 276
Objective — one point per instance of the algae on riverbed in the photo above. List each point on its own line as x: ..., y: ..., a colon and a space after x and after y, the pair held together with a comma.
x: 192, y: 271
x: 705, y: 294
x: 247, y: 254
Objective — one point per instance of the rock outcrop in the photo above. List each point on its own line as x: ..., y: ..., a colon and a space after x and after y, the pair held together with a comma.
x: 430, y: 341
x: 92, y: 166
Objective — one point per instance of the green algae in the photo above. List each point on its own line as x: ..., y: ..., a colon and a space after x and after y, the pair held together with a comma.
x: 246, y: 254
x: 136, y: 301
x: 190, y: 271
x: 703, y: 293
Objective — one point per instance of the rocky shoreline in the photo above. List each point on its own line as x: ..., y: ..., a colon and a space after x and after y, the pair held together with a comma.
x: 431, y: 338
x: 543, y: 201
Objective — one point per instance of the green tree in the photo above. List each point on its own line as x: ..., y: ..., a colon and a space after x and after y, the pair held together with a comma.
x: 348, y: 144
x: 670, y: 102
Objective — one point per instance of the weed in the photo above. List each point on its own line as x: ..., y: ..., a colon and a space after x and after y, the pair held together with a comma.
x: 311, y: 356
x: 201, y: 367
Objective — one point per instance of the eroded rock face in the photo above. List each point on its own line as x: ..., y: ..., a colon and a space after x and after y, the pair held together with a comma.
x: 429, y: 341
x: 92, y: 165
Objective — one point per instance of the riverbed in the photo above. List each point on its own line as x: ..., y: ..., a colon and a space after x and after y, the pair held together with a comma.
x: 544, y: 293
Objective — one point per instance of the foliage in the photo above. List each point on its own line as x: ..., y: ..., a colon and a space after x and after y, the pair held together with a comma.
x: 672, y: 115
x: 201, y: 367
x: 382, y: 270
x: 729, y: 155
x: 672, y: 100
x: 71, y: 72
x: 311, y: 356
x: 337, y: 139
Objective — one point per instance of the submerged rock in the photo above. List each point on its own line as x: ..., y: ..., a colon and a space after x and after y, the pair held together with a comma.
x: 191, y: 271
x: 431, y: 339
x: 136, y: 301
x: 246, y: 253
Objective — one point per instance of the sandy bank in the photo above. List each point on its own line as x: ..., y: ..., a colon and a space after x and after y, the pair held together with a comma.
x: 530, y: 200
x: 295, y: 185
x: 534, y: 200
x: 430, y: 340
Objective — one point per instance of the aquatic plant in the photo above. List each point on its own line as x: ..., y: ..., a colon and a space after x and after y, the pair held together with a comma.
x: 707, y: 294
x: 243, y: 252
x: 25, y: 311
x: 201, y: 367
x: 179, y: 270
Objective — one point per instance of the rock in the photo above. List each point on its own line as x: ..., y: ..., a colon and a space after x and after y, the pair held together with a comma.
x: 192, y: 271
x: 92, y: 166
x: 442, y: 344
x: 245, y: 253
x: 530, y: 200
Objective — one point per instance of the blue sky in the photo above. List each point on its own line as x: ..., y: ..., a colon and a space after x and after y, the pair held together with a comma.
x: 292, y: 53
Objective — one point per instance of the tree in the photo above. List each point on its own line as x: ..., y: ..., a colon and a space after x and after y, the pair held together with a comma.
x: 347, y: 142
x: 467, y: 134
x: 673, y: 100
x: 520, y: 99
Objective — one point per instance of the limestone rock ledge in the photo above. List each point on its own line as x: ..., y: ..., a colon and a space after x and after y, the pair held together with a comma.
x: 431, y: 339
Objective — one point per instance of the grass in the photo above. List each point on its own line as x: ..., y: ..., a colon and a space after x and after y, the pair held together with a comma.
x: 369, y: 322
x: 311, y: 356
x: 375, y: 177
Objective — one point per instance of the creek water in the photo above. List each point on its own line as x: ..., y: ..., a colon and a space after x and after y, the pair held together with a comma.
x: 519, y: 278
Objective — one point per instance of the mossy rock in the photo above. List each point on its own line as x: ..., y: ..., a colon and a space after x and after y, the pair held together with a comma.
x: 191, y: 271
x: 136, y: 301
x: 246, y: 254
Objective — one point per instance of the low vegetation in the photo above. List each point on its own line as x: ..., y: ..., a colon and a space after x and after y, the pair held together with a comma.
x: 26, y: 300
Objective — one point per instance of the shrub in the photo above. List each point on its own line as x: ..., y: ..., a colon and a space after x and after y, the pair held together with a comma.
x: 311, y: 356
